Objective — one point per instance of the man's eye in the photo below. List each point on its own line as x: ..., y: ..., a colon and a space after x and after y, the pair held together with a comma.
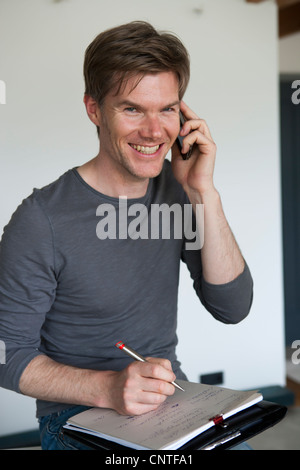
x: 130, y: 109
x: 169, y: 110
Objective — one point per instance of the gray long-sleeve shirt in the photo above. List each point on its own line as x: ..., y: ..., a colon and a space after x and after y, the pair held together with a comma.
x: 70, y: 293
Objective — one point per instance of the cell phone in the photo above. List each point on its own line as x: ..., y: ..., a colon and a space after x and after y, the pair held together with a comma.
x: 179, y: 139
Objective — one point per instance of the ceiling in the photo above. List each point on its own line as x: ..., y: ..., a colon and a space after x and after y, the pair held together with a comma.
x: 288, y: 16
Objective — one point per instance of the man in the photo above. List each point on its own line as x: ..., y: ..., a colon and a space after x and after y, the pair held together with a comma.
x: 68, y: 292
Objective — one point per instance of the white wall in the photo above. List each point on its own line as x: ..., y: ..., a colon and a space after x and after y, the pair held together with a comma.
x: 44, y: 131
x: 289, y: 57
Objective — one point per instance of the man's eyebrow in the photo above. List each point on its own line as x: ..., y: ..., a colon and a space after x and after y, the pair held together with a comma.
x: 175, y: 103
x: 132, y: 104
x: 129, y: 103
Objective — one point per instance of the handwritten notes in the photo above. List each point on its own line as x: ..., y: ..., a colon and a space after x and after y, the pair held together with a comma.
x: 179, y: 419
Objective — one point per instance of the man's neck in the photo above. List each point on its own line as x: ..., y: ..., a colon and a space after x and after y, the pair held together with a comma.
x: 99, y: 176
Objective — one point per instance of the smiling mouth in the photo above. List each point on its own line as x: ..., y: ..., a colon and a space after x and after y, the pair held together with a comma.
x: 144, y: 149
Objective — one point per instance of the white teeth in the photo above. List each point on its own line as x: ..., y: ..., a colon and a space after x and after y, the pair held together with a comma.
x: 145, y: 150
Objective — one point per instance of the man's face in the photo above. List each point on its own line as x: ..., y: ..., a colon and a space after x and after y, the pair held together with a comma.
x: 139, y: 125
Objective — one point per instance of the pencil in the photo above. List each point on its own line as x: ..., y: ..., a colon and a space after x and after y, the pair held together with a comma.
x: 138, y: 357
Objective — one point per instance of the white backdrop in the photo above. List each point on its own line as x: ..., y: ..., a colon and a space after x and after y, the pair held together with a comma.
x: 234, y: 86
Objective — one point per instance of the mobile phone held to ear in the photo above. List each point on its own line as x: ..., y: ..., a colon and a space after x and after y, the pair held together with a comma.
x: 179, y: 139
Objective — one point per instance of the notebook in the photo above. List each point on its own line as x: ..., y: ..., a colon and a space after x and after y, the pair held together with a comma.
x: 179, y: 419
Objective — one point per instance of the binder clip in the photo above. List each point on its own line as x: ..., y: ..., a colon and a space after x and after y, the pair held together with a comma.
x: 219, y: 421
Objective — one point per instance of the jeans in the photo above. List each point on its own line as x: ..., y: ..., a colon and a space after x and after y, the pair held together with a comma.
x: 51, y: 434
x: 52, y: 437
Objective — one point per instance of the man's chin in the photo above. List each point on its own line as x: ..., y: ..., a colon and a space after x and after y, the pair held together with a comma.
x: 149, y: 169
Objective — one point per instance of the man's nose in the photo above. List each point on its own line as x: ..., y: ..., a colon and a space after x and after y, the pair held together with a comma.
x: 151, y: 127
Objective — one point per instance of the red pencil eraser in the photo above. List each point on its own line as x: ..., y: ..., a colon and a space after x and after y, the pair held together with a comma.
x: 120, y: 345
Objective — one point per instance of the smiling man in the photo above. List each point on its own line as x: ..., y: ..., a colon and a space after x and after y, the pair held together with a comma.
x: 66, y: 295
x: 138, y: 127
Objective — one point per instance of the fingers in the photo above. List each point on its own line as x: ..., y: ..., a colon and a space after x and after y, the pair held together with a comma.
x: 195, y: 173
x: 159, y: 371
x: 196, y: 125
x: 195, y: 130
x: 145, y: 386
x: 156, y: 375
x: 187, y: 112
x: 164, y: 363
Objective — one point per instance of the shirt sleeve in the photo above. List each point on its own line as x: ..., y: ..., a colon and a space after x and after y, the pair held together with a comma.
x: 228, y: 303
x: 27, y: 287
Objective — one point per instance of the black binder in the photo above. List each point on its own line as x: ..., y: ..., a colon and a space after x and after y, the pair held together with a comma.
x: 224, y: 435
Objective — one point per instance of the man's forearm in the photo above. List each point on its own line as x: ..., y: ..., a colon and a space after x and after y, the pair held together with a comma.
x: 48, y: 380
x: 222, y: 260
x: 139, y: 388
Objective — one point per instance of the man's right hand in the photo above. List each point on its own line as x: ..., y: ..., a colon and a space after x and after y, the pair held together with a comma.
x: 141, y: 386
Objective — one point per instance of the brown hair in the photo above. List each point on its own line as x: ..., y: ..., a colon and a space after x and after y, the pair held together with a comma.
x: 132, y: 49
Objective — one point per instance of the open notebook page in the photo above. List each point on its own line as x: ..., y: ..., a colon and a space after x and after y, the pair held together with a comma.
x: 180, y: 418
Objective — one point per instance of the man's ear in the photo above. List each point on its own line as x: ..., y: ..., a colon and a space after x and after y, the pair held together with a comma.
x: 92, y: 109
